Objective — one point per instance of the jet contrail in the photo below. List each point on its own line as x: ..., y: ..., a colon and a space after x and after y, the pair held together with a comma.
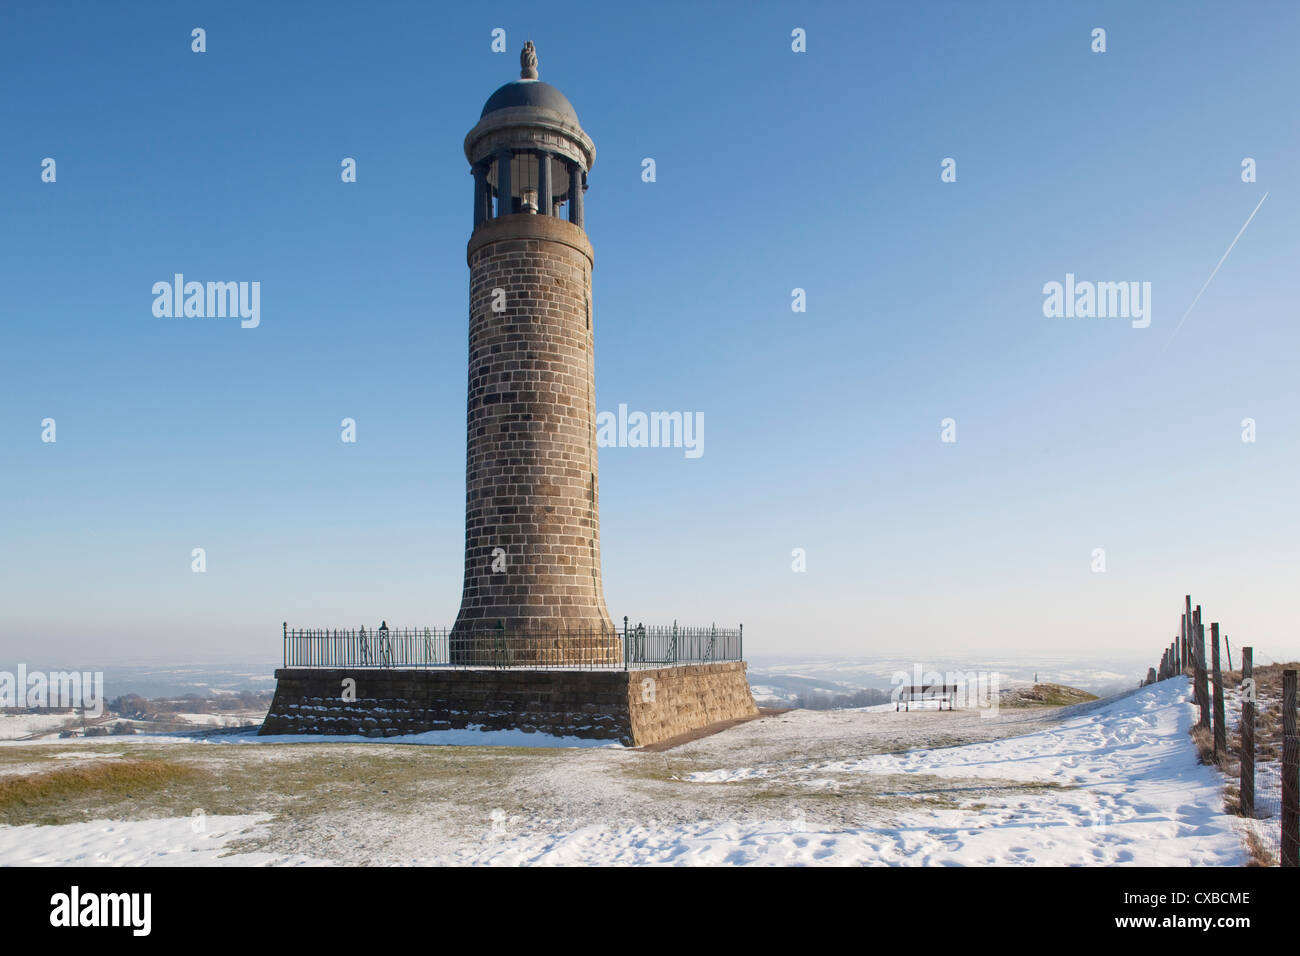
x: 1215, y: 272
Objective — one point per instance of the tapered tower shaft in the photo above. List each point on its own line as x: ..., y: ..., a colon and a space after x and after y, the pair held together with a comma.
x: 532, y: 527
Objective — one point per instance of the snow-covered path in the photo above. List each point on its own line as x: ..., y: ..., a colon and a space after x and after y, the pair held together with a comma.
x: 1122, y: 787
x: 184, y: 841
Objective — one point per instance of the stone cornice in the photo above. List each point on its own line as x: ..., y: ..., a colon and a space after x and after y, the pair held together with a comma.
x: 524, y: 126
x: 530, y: 226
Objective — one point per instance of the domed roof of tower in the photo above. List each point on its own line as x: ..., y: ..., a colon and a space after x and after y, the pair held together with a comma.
x: 529, y: 93
x: 528, y: 90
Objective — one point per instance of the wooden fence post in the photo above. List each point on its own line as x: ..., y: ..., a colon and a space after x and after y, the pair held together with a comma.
x: 1290, y: 774
x: 1220, y: 728
x: 1178, y: 655
x: 1202, y: 691
x: 1248, y: 731
x: 1187, y: 629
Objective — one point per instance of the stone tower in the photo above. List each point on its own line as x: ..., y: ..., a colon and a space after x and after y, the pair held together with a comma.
x: 532, y: 531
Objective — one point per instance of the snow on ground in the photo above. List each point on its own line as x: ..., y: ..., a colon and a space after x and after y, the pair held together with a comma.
x: 103, y: 740
x: 1268, y: 776
x: 1124, y: 787
x: 221, y: 720
x: 182, y: 841
x: 13, y: 726
x: 891, y: 708
x: 84, y: 755
x: 1105, y: 783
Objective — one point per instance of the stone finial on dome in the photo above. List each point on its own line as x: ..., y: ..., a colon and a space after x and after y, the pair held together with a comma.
x: 528, y: 62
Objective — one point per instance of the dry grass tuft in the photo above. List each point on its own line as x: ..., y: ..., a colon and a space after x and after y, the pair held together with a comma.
x: 1203, y: 737
x: 1259, y: 854
x: 22, y: 796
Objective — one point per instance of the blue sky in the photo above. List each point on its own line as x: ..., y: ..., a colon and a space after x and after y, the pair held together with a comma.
x: 775, y: 170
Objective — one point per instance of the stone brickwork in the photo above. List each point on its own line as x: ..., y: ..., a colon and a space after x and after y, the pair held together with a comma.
x: 531, y: 472
x: 681, y: 699
x: 633, y: 707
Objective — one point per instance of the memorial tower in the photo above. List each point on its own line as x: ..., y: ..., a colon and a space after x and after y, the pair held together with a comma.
x: 532, y: 527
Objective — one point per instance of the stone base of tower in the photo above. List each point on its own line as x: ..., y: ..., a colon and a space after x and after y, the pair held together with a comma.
x: 635, y: 708
x: 578, y: 648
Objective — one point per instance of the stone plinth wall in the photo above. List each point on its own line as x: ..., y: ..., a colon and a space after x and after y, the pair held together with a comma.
x: 633, y: 707
x: 682, y: 699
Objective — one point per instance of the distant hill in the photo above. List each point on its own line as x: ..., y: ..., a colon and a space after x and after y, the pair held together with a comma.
x: 1045, y: 695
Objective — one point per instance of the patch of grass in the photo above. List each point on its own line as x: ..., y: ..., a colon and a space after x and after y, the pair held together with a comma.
x: 1046, y: 695
x: 285, y: 780
x: 1203, y: 737
x: 1259, y: 854
x: 36, y: 797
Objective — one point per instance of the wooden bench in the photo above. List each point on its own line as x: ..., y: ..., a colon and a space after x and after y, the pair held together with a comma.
x: 917, y: 692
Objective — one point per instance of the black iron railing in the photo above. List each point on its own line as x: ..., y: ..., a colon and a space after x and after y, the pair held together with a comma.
x: 571, y: 649
x: 666, y: 645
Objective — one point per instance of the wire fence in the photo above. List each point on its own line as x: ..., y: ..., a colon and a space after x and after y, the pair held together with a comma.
x: 533, y: 647
x: 1246, y: 726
